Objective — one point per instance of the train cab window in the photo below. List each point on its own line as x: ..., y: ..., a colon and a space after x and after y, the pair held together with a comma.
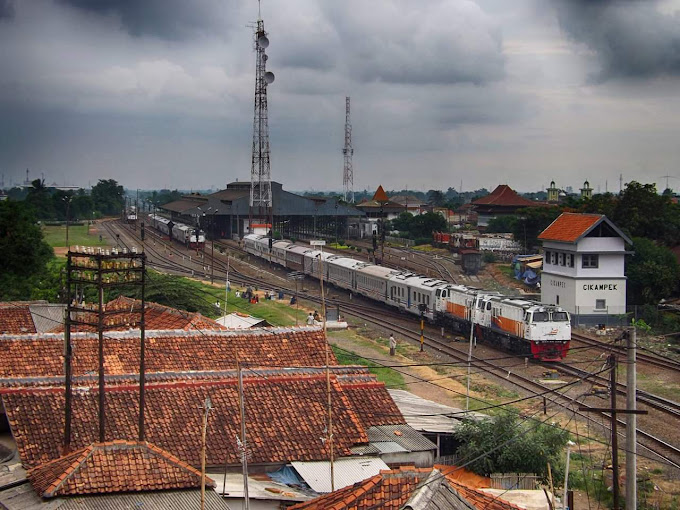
x: 488, y: 305
x: 428, y: 299
x: 541, y: 317
x: 439, y: 292
x: 560, y: 316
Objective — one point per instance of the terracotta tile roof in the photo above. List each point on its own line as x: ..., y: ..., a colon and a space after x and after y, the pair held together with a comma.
x: 569, y: 227
x: 42, y: 355
x: 380, y: 195
x: 393, y: 489
x: 504, y: 195
x: 286, y: 418
x: 373, y: 403
x: 124, y: 313
x: 15, y: 318
x: 388, y: 490
x: 117, y: 466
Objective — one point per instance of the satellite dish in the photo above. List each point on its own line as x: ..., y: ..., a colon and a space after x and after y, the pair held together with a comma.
x: 262, y: 41
x: 269, y: 77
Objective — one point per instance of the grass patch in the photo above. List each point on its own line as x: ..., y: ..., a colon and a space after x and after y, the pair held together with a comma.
x: 425, y: 248
x: 55, y: 236
x: 506, y: 269
x: 389, y: 377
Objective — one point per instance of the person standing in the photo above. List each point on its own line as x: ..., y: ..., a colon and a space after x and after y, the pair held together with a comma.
x: 393, y: 345
x: 310, y: 319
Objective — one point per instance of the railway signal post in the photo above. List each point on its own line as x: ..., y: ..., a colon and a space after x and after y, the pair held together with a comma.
x: 422, y: 308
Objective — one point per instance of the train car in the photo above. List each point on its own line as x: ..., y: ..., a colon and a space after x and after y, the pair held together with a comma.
x: 341, y: 272
x: 312, y: 265
x: 415, y: 292
x: 295, y: 257
x: 278, y: 253
x: 250, y: 243
x: 371, y: 281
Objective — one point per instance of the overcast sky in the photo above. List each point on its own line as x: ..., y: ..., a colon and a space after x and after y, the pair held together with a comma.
x: 159, y: 93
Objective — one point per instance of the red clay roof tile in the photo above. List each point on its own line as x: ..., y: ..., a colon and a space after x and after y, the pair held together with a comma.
x: 15, y: 318
x: 286, y: 417
x: 117, y: 466
x: 569, y: 227
x: 504, y: 195
x: 42, y: 355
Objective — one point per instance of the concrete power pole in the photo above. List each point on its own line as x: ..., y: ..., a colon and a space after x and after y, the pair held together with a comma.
x: 631, y: 423
x: 348, y: 151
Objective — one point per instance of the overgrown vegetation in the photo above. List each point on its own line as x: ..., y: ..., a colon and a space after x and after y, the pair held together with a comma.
x: 506, y: 444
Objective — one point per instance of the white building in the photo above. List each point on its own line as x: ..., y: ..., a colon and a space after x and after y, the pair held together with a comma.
x: 583, y: 266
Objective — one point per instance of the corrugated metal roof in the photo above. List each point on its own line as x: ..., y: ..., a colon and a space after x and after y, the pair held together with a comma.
x: 257, y: 488
x: 428, y: 416
x: 347, y: 471
x: 47, y: 316
x: 236, y: 321
x: 24, y: 497
x: 389, y: 447
x: 147, y: 501
x: 404, y: 435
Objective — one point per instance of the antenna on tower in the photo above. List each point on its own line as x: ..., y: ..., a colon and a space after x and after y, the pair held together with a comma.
x: 260, y: 170
x: 348, y: 151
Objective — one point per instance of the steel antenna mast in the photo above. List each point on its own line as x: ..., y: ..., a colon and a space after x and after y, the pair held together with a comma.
x: 260, y: 170
x: 348, y: 151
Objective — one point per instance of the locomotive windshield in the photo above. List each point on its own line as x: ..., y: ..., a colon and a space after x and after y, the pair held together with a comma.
x: 541, y: 317
x: 560, y: 316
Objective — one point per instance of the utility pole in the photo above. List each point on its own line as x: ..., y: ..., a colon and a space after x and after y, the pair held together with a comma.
x: 473, y: 307
x: 631, y: 422
x: 244, y: 440
x: 207, y: 406
x: 613, y: 411
x: 615, y: 438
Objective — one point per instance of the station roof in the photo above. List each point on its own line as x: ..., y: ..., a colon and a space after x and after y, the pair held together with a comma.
x: 572, y: 227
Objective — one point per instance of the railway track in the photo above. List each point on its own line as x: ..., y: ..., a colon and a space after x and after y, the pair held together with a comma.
x: 369, y: 314
x: 650, y: 359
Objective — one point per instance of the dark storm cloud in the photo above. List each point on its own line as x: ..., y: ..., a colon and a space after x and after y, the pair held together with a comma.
x: 632, y: 38
x: 6, y: 9
x: 166, y: 19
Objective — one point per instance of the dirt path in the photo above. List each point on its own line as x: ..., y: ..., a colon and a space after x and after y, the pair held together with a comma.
x: 443, y: 389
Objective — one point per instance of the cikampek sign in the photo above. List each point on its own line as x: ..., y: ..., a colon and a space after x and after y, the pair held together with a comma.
x: 600, y: 286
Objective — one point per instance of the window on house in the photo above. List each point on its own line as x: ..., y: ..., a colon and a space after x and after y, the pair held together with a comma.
x: 570, y: 260
x: 557, y: 299
x: 600, y: 304
x: 547, y: 257
x: 561, y: 259
x: 590, y: 261
x: 553, y: 257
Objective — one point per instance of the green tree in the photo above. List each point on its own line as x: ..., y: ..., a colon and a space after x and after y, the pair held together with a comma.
x: 531, y: 221
x: 108, y: 197
x: 40, y: 199
x: 402, y: 223
x: 423, y: 225
x: 25, y: 253
x: 435, y: 197
x: 653, y: 272
x: 502, y: 224
x: 504, y: 444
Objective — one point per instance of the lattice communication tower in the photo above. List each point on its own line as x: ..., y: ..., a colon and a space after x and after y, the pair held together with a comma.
x: 260, y: 171
x: 348, y: 151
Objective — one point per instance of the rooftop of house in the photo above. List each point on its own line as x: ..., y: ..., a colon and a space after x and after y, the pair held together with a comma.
x: 123, y: 313
x: 504, y: 195
x: 407, y: 488
x: 21, y: 317
x: 41, y: 355
x: 116, y: 466
x: 286, y: 416
x: 572, y: 227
